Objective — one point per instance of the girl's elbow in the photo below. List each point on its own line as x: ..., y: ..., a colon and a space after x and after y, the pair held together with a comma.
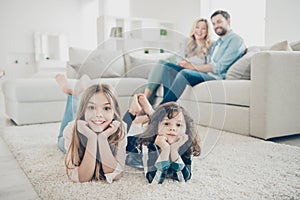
x: 83, y: 180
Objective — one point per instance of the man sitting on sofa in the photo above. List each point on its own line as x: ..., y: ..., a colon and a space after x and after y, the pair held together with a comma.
x: 223, y: 53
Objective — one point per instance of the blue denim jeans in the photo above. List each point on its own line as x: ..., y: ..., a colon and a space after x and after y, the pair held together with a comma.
x: 69, y: 115
x: 177, y: 78
x: 155, y: 78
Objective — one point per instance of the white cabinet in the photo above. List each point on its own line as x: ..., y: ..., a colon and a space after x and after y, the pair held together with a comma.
x: 130, y: 34
x: 51, y: 51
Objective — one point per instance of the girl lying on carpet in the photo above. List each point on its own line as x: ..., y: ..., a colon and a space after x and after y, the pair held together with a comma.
x: 97, y: 130
x: 166, y: 146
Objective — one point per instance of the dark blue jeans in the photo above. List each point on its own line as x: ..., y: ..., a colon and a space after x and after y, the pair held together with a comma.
x: 176, y: 78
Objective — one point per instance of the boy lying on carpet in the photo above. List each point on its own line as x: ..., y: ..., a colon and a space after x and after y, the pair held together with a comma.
x: 167, y: 145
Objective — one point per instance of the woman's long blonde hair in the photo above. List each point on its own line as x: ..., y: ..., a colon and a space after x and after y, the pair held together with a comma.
x: 77, y: 146
x: 193, y: 48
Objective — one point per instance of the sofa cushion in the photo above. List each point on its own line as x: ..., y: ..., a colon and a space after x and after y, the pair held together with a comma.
x: 233, y: 92
x: 281, y: 46
x: 33, y: 90
x: 295, y: 45
x: 47, y: 90
x: 124, y: 86
x: 240, y: 70
x: 97, y: 63
x: 140, y: 64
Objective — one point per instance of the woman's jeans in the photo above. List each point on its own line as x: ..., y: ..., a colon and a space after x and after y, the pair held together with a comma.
x: 177, y: 78
x: 69, y: 115
x: 155, y: 79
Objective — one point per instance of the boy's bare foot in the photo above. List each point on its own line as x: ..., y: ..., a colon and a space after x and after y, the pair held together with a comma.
x: 81, y: 84
x: 144, y: 104
x: 135, y: 107
x: 63, y: 82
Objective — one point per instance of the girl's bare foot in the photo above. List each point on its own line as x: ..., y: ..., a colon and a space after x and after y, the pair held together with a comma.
x: 148, y: 93
x: 81, y: 84
x: 141, y: 119
x: 63, y: 83
x: 144, y: 104
x: 135, y: 107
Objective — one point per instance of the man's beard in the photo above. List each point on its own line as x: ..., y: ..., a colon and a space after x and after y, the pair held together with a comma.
x: 223, y: 31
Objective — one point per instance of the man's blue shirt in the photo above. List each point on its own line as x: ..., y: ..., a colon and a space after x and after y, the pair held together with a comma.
x: 230, y: 49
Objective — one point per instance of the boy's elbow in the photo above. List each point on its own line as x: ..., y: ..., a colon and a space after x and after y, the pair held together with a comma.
x: 118, y: 176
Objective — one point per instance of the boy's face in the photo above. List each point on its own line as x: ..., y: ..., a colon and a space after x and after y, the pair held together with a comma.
x: 172, y: 128
x: 99, y: 112
x: 221, y: 25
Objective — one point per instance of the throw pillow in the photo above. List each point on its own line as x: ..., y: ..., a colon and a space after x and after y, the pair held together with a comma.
x: 295, y: 45
x: 281, y: 46
x: 77, y: 55
x: 141, y: 64
x: 97, y: 63
x: 240, y: 70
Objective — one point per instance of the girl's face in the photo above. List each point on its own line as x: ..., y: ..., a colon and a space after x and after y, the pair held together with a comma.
x: 200, y: 31
x: 172, y: 128
x: 99, y: 112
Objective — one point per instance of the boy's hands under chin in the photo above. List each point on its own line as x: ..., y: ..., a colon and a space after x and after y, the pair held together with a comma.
x: 112, y: 128
x: 181, y: 140
x: 82, y: 127
x: 174, y: 155
x: 161, y: 141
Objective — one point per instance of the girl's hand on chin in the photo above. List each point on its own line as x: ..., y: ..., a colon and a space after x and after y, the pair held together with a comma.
x: 82, y: 127
x: 112, y: 128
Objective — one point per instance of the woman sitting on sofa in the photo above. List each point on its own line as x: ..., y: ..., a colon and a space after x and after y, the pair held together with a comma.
x: 195, y: 52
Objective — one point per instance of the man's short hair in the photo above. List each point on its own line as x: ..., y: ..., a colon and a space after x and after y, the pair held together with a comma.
x: 221, y: 12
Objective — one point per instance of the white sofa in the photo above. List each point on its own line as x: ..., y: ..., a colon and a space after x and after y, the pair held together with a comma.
x: 40, y: 100
x: 266, y: 106
x: 30, y: 101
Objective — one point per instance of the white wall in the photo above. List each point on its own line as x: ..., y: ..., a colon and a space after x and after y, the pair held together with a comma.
x: 90, y: 12
x: 20, y: 19
x: 260, y: 22
x: 118, y: 8
x: 180, y: 12
x: 247, y: 18
x: 282, y: 21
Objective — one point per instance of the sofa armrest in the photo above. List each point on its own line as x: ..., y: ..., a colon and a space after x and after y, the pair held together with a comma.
x: 275, y: 94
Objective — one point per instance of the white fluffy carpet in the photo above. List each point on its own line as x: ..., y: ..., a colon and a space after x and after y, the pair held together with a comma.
x: 238, y: 167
